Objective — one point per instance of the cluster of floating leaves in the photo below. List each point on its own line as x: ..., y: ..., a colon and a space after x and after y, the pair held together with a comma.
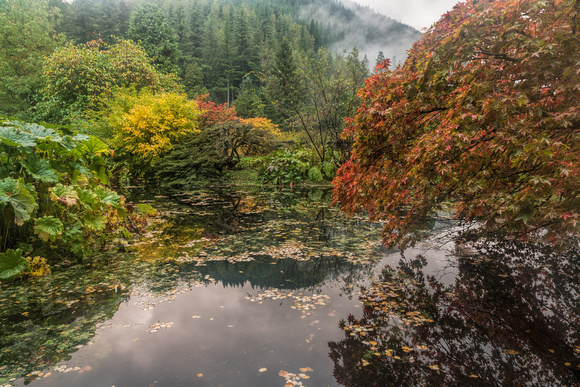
x: 158, y: 325
x: 297, y: 233
x: 294, y: 379
x: 385, y: 298
x: 302, y: 302
x: 168, y: 295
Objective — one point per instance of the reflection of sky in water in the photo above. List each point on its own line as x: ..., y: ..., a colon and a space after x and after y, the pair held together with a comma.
x: 231, y: 340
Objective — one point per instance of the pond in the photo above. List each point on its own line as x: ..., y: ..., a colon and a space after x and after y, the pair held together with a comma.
x: 254, y: 286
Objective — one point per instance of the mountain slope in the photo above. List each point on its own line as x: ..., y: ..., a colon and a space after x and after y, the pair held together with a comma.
x: 350, y: 24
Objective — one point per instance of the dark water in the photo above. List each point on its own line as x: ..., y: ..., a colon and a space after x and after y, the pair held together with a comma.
x: 253, y: 287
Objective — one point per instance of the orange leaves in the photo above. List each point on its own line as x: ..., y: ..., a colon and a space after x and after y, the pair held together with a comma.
x: 477, y: 114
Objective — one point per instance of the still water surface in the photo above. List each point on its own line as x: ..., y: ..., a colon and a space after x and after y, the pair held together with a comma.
x: 254, y: 287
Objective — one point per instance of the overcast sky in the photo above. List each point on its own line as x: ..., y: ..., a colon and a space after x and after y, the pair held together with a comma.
x: 416, y: 13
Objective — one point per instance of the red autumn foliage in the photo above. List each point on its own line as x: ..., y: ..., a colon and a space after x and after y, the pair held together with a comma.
x: 483, y: 114
x: 213, y: 113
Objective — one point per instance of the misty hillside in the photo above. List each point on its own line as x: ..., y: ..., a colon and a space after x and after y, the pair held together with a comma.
x: 350, y: 24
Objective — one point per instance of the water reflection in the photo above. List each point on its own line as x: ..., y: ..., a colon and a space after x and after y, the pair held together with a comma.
x: 510, y: 319
x: 281, y: 245
x: 45, y: 320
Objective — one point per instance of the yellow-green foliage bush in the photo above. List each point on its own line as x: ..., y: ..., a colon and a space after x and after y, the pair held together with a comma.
x: 75, y: 78
x: 146, y: 125
x: 264, y: 124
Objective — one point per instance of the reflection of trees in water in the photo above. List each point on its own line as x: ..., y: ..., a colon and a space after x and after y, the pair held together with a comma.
x: 510, y: 319
x: 286, y: 273
x: 230, y: 210
x: 43, y: 321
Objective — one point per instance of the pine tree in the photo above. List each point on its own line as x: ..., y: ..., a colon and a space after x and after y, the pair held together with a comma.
x: 150, y: 27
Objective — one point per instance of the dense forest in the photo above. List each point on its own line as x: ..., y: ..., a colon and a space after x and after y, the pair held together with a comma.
x: 214, y: 46
x: 171, y: 93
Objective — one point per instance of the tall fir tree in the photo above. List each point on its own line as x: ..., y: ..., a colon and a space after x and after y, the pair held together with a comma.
x: 149, y: 26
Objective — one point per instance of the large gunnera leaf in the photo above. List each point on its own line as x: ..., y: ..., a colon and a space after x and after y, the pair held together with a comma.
x: 12, y: 265
x: 64, y: 194
x: 13, y: 192
x: 48, y: 228
x: 40, y: 169
x: 16, y: 137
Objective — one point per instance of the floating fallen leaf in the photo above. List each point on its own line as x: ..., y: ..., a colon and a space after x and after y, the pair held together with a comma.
x: 263, y: 369
x: 305, y: 369
x: 195, y: 316
x: 199, y: 375
x: 365, y: 363
x: 434, y: 367
x: 283, y: 373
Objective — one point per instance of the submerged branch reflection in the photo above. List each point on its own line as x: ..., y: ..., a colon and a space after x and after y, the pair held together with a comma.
x: 510, y: 318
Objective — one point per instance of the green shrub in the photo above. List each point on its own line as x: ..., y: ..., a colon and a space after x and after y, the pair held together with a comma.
x: 74, y: 78
x: 296, y: 165
x: 53, y: 190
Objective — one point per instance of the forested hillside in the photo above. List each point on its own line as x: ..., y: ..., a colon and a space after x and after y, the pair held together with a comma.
x: 213, y: 45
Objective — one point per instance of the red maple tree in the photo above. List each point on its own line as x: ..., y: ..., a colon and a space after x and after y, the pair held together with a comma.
x: 483, y: 114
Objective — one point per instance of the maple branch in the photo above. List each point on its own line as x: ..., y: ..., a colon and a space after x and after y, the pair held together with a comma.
x: 487, y: 53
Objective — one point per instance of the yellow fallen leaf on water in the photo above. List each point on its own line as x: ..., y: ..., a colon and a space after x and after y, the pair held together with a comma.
x: 372, y: 342
x: 473, y: 376
x: 365, y: 363
x: 289, y: 384
x: 434, y: 367
x: 283, y: 373
x: 510, y: 352
x: 306, y: 369
x: 263, y: 369
x: 199, y: 375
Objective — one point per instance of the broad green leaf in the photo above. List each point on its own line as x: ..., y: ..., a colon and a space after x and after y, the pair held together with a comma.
x: 42, y: 133
x: 107, y: 196
x: 48, y: 228
x: 16, y: 137
x: 103, y: 175
x: 88, y: 199
x: 12, y: 265
x: 95, y: 147
x: 82, y: 169
x: 64, y: 194
x: 40, y: 169
x: 22, y: 201
x: 99, y: 167
x: 81, y: 137
x: 7, y: 186
x: 95, y: 221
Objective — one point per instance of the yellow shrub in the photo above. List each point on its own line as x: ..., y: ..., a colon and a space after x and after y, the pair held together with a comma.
x: 265, y: 124
x: 148, y: 125
x: 38, y: 266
